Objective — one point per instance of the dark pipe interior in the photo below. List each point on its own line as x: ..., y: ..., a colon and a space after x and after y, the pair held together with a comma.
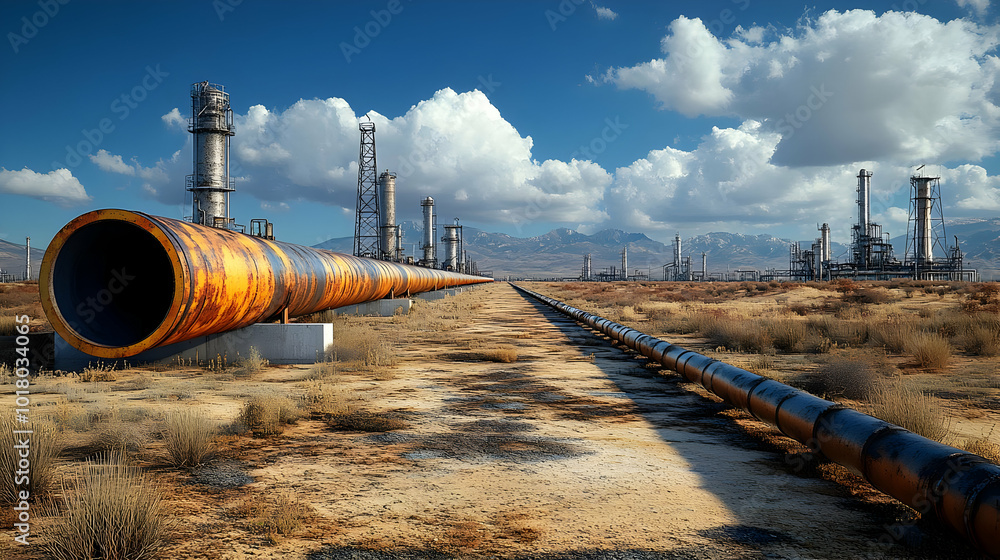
x: 113, y: 283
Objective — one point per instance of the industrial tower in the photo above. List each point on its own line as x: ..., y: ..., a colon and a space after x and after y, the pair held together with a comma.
x: 212, y: 125
x: 367, y: 238
x: 925, y: 230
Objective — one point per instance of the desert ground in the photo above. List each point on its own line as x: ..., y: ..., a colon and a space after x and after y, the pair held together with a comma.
x: 486, y: 425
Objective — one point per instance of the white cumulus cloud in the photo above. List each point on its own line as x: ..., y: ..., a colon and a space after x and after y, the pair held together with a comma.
x: 844, y: 87
x: 59, y: 185
x: 454, y: 146
x: 111, y: 163
x: 174, y: 119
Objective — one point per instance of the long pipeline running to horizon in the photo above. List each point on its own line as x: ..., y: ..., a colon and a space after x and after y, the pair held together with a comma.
x: 114, y: 283
x: 961, y: 489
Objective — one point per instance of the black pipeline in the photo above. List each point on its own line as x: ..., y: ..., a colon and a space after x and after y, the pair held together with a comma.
x: 961, y: 489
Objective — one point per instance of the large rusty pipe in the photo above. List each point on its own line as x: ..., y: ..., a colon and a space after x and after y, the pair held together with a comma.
x: 114, y: 283
x: 961, y: 489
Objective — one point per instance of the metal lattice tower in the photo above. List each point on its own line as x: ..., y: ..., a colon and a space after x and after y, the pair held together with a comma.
x: 925, y: 230
x: 367, y: 238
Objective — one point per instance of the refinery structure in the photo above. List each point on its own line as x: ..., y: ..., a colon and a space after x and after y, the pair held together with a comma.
x: 377, y: 234
x: 927, y: 256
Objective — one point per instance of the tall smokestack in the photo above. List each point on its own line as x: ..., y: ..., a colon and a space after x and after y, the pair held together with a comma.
x: 864, y: 218
x: 427, y: 205
x: 824, y: 248
x: 27, y: 258
x: 704, y: 267
x: 212, y: 125
x: 677, y: 253
x: 387, y: 214
x: 923, y: 203
x: 625, y: 262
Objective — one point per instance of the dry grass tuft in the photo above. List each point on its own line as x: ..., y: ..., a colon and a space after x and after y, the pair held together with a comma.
x: 281, y: 515
x: 893, y: 335
x: 325, y: 398
x: 852, y: 376
x: 360, y: 344
x: 909, y: 408
x: 189, y: 438
x: 983, y: 447
x: 981, y: 340
x: 739, y: 335
x: 99, y: 372
x: 266, y: 415
x: 931, y: 350
x: 250, y: 365
x: 42, y: 453
x: 126, y: 437
x: 111, y: 513
x: 503, y: 353
x: 8, y: 327
x: 788, y: 335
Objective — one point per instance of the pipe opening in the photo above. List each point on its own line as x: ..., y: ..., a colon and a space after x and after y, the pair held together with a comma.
x: 113, y: 283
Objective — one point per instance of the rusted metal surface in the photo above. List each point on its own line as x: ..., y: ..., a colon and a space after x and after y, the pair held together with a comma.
x: 114, y: 283
x: 961, y: 489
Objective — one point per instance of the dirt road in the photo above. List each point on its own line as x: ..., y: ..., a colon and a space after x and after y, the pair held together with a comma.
x: 576, y: 450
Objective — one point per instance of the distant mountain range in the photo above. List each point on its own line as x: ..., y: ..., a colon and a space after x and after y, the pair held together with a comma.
x: 12, y: 259
x: 559, y: 253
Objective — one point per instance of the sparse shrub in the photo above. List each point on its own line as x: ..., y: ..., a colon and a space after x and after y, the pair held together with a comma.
x: 123, y: 436
x: 931, y: 350
x: 739, y: 335
x: 981, y: 338
x: 189, y: 438
x: 362, y: 345
x: 894, y: 335
x: 280, y: 515
x: 872, y: 296
x: 266, y: 415
x: 909, y: 408
x: 984, y: 448
x: 42, y: 453
x: 324, y: 398
x: 503, y: 354
x: 788, y: 335
x: 111, y: 513
x: 853, y: 377
x: 140, y: 382
x: 800, y: 309
x: 252, y: 364
x: 99, y: 372
x: 840, y: 331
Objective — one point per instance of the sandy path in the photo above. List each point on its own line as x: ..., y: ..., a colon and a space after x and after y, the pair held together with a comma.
x: 574, y: 451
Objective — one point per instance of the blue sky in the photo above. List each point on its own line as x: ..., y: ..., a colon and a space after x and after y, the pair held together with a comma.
x: 517, y: 116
